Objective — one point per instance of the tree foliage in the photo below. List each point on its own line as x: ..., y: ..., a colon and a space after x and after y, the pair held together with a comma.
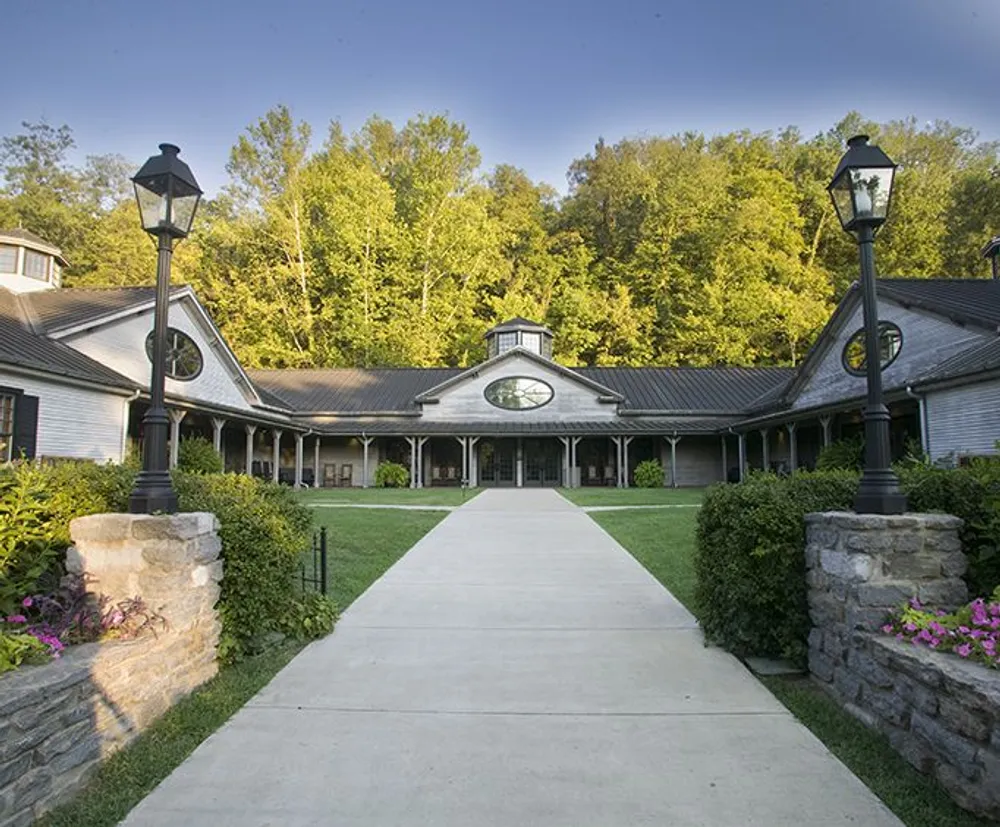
x: 391, y: 246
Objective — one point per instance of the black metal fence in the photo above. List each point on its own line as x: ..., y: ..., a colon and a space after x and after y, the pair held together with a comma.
x: 314, y: 564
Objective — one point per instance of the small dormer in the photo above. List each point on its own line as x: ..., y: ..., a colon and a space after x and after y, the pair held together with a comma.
x: 519, y: 332
x: 29, y: 263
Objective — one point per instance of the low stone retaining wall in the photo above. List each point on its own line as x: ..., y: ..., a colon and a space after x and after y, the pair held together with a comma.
x: 57, y: 721
x: 940, y: 713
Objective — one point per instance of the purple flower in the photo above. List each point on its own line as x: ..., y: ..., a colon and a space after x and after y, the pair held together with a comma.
x: 887, y: 628
x: 963, y: 650
x: 27, y: 602
x: 17, y: 619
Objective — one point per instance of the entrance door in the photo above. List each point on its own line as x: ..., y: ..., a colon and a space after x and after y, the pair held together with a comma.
x: 497, y: 461
x: 542, y: 462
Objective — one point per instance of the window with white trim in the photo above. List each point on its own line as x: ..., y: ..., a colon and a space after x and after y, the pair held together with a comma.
x: 532, y: 342
x: 36, y: 265
x: 506, y: 341
x: 8, y: 258
x: 6, y: 426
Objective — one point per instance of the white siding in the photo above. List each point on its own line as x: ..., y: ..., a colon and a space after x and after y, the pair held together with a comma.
x: 699, y: 461
x: 74, y: 422
x: 964, y: 420
x: 465, y: 401
x: 340, y: 450
x: 927, y: 341
x: 121, y: 346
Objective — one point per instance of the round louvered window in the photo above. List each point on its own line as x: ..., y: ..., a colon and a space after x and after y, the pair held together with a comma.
x: 183, y: 359
x: 518, y: 393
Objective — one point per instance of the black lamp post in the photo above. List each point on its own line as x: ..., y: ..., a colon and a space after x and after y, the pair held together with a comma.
x: 861, y: 189
x: 168, y: 196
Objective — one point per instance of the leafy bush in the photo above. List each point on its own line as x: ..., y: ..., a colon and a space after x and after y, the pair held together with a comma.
x: 18, y: 648
x: 391, y: 475
x: 842, y: 455
x: 750, y: 558
x: 197, y: 455
x: 649, y: 474
x: 264, y: 532
x: 750, y: 563
x: 309, y: 616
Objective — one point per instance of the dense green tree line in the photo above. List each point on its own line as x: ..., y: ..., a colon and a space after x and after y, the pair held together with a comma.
x: 392, y: 246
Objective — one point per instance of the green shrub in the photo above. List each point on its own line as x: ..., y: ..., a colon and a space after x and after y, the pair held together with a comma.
x: 649, y: 474
x: 309, y: 616
x: 751, y: 590
x: 391, y: 475
x: 17, y: 648
x: 264, y: 532
x: 198, y: 456
x: 842, y: 455
x: 750, y: 559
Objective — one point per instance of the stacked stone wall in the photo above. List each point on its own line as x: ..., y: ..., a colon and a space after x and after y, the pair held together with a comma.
x: 59, y: 720
x: 942, y: 714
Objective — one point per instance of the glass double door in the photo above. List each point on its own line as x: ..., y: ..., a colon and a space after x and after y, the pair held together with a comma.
x: 540, y: 462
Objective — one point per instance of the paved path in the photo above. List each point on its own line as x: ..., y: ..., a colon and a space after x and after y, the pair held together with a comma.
x: 408, y: 507
x: 516, y: 668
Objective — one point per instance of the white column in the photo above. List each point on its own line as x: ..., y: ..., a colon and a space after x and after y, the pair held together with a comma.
x: 299, y: 450
x: 765, y: 448
x: 574, y: 442
x: 316, y: 462
x: 743, y: 455
x: 473, y: 462
x: 413, y: 460
x: 218, y: 423
x: 566, y: 452
x: 421, y: 442
x: 673, y: 440
x: 617, y: 440
x: 465, y: 458
x: 519, y: 464
x: 365, y: 442
x: 276, y: 454
x: 793, y: 447
x: 825, y: 422
x: 725, y: 459
x: 175, y: 434
x: 626, y: 441
x: 251, y: 430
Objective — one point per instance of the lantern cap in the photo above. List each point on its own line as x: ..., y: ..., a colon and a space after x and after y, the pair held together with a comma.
x: 154, y: 174
x: 860, y: 153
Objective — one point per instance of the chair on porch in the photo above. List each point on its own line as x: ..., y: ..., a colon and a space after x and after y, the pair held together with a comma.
x: 593, y: 478
x: 609, y: 475
x: 329, y: 475
x: 346, y: 479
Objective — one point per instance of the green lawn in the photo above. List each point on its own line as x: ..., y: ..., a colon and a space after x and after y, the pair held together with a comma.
x: 387, y: 496
x: 663, y: 540
x: 362, y: 544
x: 633, y: 496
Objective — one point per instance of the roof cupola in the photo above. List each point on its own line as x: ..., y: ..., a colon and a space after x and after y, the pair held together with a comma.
x: 519, y: 332
x: 29, y: 263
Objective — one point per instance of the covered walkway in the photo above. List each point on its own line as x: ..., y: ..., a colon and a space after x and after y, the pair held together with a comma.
x: 516, y: 667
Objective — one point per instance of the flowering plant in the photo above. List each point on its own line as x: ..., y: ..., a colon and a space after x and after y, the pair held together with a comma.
x: 971, y: 632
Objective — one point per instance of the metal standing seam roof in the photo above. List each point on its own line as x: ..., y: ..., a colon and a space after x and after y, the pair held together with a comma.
x: 963, y: 300
x: 21, y: 347
x: 977, y: 359
x: 53, y: 310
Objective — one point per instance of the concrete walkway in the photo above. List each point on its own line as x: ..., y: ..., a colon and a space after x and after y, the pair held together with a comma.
x: 516, y: 668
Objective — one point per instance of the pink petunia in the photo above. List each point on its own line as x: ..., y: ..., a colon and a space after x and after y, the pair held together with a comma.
x: 964, y: 650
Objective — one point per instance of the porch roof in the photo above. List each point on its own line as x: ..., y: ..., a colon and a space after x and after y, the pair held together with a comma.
x: 617, y: 427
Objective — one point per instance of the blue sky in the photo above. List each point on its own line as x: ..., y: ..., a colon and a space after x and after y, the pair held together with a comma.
x: 536, y: 82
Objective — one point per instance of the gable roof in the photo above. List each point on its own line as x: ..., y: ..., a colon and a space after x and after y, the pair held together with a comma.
x: 965, y: 301
x: 351, y: 390
x: 55, y: 310
x: 22, y: 347
x: 572, y: 375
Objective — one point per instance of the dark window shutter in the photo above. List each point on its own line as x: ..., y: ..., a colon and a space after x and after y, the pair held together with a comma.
x: 25, y: 426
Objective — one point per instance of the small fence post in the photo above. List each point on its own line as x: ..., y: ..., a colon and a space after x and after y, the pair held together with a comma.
x: 322, y: 560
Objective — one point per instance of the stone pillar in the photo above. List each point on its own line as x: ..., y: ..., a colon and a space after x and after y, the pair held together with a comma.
x: 176, y: 416
x: 172, y: 563
x: 251, y: 430
x: 860, y: 568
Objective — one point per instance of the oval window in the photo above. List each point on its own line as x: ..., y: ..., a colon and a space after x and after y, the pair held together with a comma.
x: 183, y: 358
x: 890, y: 342
x: 518, y: 393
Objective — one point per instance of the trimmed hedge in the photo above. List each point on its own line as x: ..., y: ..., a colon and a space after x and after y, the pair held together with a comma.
x: 750, y: 560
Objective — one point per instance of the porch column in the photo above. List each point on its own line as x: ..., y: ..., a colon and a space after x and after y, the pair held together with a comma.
x: 276, y: 454
x: 413, y: 460
x: 421, y: 442
x: 299, y: 439
x: 743, y: 454
x: 473, y: 462
x: 673, y: 440
x: 465, y: 458
x: 725, y: 459
x: 218, y: 423
x: 574, y: 442
x: 365, y: 442
x: 626, y: 441
x: 765, y: 447
x: 519, y: 464
x: 825, y: 422
x: 316, y: 462
x: 251, y: 430
x: 566, y: 449
x: 793, y: 447
x: 176, y: 416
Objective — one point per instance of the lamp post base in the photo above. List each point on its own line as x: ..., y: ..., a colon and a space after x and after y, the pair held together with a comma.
x: 153, y: 494
x: 879, y: 493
